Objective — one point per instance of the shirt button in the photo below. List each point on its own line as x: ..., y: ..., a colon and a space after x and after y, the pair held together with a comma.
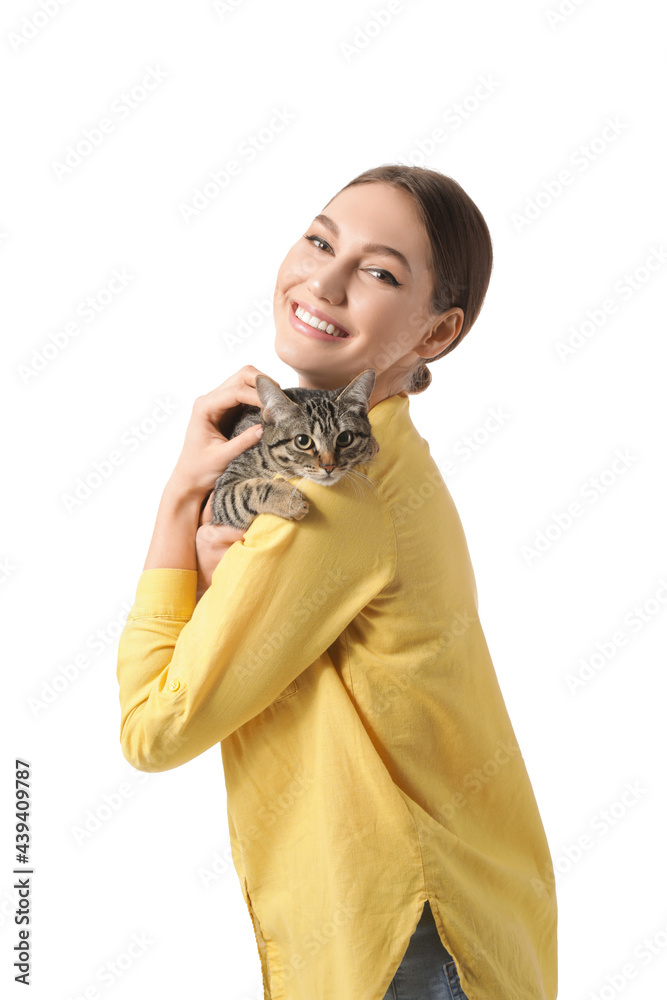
x: 174, y: 685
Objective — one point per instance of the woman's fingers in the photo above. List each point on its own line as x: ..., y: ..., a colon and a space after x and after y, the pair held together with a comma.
x: 239, y: 388
x: 246, y: 439
x: 212, y: 543
x: 216, y: 536
x: 207, y: 451
x: 218, y: 533
x: 207, y: 512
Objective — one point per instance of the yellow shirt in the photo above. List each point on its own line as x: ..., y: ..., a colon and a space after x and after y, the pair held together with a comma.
x: 369, y: 760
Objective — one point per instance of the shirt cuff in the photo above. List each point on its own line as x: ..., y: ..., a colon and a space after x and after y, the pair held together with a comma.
x: 161, y: 592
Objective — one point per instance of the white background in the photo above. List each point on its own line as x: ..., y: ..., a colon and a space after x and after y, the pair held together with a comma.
x: 360, y: 96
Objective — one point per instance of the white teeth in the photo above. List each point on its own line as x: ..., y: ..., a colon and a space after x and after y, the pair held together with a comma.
x: 318, y: 324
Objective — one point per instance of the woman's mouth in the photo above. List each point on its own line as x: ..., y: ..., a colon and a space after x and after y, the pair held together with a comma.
x: 312, y: 326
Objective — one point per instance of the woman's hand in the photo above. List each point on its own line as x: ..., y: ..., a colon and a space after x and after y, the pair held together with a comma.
x: 206, y: 452
x: 205, y: 455
x: 212, y: 542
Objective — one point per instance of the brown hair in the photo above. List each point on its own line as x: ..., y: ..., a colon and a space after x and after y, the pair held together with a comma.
x: 460, y: 242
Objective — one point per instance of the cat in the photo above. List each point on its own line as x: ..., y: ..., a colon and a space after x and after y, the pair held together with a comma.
x: 319, y: 434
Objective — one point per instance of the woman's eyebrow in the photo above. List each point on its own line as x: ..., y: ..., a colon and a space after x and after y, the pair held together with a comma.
x: 367, y: 247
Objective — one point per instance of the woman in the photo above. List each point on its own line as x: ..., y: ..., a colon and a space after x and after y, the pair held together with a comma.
x: 382, y: 821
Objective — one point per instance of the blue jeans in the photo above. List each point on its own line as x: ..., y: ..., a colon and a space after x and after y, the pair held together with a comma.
x: 427, y: 971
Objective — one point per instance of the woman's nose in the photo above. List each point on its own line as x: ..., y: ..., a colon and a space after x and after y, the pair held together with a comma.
x: 327, y: 282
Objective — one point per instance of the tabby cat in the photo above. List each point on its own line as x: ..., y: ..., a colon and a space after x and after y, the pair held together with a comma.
x: 318, y: 434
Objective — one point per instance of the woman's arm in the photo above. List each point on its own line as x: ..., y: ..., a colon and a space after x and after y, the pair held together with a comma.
x: 213, y: 541
x: 184, y: 538
x: 173, y: 543
x: 190, y: 673
x: 176, y: 541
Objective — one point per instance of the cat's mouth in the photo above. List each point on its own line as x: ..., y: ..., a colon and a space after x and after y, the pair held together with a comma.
x: 320, y: 476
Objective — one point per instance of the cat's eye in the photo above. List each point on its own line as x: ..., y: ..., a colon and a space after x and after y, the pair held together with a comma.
x: 303, y: 441
x: 344, y: 439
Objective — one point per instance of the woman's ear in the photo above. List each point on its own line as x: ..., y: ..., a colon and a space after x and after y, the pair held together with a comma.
x: 444, y: 331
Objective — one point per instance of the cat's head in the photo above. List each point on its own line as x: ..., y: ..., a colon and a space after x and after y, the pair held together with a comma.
x: 317, y: 433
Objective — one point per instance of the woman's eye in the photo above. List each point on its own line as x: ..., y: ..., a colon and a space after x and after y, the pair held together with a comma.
x: 390, y: 277
x: 344, y: 439
x: 387, y: 278
x: 316, y: 239
x: 303, y: 441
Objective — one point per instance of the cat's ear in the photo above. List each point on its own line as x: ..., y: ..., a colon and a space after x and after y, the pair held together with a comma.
x: 357, y: 393
x: 276, y: 406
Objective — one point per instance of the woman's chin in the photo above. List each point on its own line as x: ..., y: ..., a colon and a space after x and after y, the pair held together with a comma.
x: 314, y: 372
x: 289, y: 352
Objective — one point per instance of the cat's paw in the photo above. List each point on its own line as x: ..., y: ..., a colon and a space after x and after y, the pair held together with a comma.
x: 298, y: 507
x: 292, y: 505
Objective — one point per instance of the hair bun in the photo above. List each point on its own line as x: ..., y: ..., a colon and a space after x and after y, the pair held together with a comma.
x: 421, y: 379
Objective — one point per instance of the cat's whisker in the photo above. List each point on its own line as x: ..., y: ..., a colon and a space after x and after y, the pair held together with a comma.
x: 354, y: 484
x: 244, y: 480
x: 358, y: 472
x: 353, y: 473
x: 357, y: 486
x: 296, y: 490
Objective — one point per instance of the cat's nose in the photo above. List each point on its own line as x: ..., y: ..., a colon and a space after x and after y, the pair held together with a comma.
x: 328, y: 467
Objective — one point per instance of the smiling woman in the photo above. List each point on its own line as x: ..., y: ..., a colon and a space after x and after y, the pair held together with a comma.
x: 400, y: 261
x: 382, y: 821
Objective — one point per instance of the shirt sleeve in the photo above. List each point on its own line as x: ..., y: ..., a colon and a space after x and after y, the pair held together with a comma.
x: 190, y: 673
